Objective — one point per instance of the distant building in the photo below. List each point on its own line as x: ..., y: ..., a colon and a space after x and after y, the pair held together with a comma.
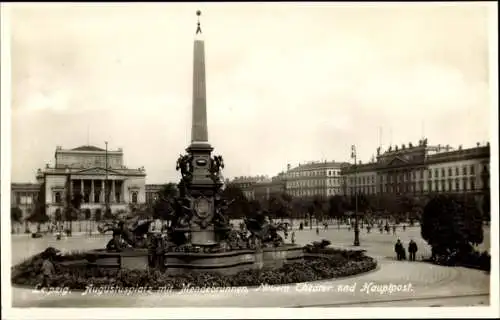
x: 247, y: 183
x: 84, y: 170
x: 322, y: 179
x: 264, y: 190
x: 152, y: 191
x: 421, y: 169
x: 24, y: 196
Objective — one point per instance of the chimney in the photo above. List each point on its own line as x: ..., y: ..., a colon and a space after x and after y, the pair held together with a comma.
x: 288, y: 167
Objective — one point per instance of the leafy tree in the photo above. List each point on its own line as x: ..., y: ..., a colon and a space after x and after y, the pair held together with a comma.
x: 240, y: 207
x: 108, y: 214
x: 16, y: 215
x: 336, y: 206
x: 451, y: 223
x: 98, y: 215
x: 39, y: 214
x: 163, y: 206
x: 255, y: 206
x: 486, y: 206
x: 58, y: 215
x: 87, y: 214
x: 280, y: 205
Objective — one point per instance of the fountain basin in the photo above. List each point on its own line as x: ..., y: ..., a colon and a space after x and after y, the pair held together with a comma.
x: 228, y: 263
x: 127, y: 259
x: 231, y: 262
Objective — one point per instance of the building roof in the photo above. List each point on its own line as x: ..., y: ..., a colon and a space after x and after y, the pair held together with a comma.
x: 87, y: 148
x: 319, y: 165
x: 25, y: 186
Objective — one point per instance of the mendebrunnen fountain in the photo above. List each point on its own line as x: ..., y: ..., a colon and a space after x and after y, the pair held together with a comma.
x: 200, y: 237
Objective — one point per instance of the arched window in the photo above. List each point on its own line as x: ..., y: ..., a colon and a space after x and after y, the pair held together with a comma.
x: 57, y: 197
x: 134, y: 197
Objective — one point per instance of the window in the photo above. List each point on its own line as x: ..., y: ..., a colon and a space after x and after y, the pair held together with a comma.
x: 436, y: 173
x: 464, y: 186
x: 429, y: 186
x: 430, y: 173
x: 57, y: 197
x: 464, y: 170
x: 414, y: 175
x: 134, y: 197
x: 472, y: 184
x: 450, y: 185
x: 457, y: 171
x: 450, y: 172
x: 472, y: 169
x: 457, y: 184
x: 443, y: 172
x: 421, y: 173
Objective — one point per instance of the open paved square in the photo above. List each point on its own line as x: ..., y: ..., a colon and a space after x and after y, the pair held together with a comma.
x: 431, y: 285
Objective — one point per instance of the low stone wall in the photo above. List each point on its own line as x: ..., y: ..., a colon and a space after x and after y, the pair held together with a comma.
x: 228, y: 263
x: 231, y: 262
x: 128, y: 259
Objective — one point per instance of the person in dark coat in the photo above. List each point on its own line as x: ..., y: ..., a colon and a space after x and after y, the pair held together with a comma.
x: 412, y: 249
x: 398, y: 248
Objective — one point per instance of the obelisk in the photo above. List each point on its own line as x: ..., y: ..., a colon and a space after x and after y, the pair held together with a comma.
x: 200, y: 149
x: 201, y: 188
x: 199, y: 130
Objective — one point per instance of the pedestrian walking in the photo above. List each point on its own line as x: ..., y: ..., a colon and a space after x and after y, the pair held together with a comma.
x: 293, y: 237
x: 398, y: 248
x: 394, y: 229
x: 412, y: 249
x: 317, y: 230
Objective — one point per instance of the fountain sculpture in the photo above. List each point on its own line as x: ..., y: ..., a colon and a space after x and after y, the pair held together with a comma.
x: 199, y: 237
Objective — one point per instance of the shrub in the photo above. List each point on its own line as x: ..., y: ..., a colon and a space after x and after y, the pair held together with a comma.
x: 326, y: 264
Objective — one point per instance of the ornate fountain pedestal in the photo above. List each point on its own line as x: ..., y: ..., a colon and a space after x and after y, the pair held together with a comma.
x: 203, y: 237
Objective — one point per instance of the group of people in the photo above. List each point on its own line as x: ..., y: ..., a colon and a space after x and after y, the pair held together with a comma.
x: 401, y: 251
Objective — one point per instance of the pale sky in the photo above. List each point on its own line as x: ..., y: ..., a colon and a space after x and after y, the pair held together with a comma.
x: 286, y: 83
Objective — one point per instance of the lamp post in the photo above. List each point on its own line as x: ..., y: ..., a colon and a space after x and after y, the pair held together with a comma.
x: 106, y: 198
x: 356, y: 225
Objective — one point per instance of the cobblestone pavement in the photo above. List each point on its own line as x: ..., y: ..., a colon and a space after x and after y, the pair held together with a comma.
x: 420, y: 283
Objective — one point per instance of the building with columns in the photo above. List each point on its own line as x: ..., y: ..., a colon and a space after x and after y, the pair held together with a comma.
x: 98, y: 175
x: 421, y: 169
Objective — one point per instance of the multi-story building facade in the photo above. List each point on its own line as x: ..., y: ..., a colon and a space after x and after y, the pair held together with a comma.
x: 322, y: 179
x: 152, y: 191
x: 24, y: 196
x: 421, y: 169
x: 95, y: 174
x: 264, y: 190
x: 247, y: 183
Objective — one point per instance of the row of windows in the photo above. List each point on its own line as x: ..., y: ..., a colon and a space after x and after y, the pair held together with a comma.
x: 313, y: 192
x: 432, y: 186
x: 405, y: 176
x: 97, y: 198
x: 451, y: 172
x: 314, y: 173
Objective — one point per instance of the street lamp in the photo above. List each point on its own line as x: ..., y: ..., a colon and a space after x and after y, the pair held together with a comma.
x: 356, y: 225
x: 106, y: 198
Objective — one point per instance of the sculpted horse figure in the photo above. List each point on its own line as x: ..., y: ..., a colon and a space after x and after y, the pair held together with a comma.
x: 265, y: 232
x: 131, y: 234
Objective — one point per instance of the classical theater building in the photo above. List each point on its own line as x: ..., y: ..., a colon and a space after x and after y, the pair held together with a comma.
x: 90, y: 171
